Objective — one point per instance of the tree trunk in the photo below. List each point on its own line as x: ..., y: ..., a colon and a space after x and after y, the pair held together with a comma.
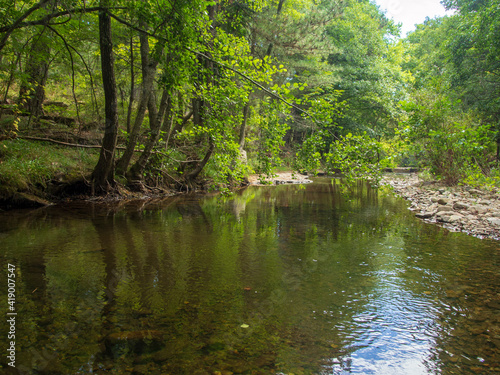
x: 179, y: 126
x: 32, y: 90
x: 103, y: 175
x: 134, y: 176
x: 243, y: 127
x: 498, y: 149
x: 191, y: 176
x: 278, y: 11
x: 132, y: 84
x: 148, y: 75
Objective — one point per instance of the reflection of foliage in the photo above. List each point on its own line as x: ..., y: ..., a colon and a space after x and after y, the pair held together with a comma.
x: 270, y: 281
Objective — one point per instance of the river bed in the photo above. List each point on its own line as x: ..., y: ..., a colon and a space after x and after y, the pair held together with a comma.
x: 290, y: 279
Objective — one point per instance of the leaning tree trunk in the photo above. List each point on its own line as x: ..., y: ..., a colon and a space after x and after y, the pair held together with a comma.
x: 134, y: 175
x: 191, y: 176
x: 149, y: 66
x: 103, y: 175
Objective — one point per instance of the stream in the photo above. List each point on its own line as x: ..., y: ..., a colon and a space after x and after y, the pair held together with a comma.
x: 290, y: 279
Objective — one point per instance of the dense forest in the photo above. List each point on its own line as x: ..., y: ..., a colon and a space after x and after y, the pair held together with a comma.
x: 178, y: 94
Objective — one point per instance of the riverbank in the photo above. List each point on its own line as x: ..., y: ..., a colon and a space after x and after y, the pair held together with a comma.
x: 458, y: 209
x: 279, y: 178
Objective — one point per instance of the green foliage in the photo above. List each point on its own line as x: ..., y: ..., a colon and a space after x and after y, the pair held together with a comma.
x: 355, y: 156
x: 271, y: 142
x: 366, y: 68
x: 447, y: 141
x: 338, y: 66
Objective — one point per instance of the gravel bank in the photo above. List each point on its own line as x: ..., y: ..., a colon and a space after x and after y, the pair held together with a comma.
x: 459, y: 209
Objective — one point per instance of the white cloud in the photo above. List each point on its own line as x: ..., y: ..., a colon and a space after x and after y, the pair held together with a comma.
x: 411, y: 12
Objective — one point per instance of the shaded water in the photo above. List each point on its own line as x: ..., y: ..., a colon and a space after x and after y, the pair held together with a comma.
x: 288, y: 279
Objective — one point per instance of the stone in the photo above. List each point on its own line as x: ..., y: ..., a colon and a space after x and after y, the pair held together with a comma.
x: 479, y: 209
x: 443, y: 216
x: 461, y: 206
x: 449, y: 217
x: 425, y: 215
x: 494, y: 221
x: 142, y: 341
x: 475, y: 192
x: 445, y: 209
x: 455, y: 218
x: 135, y: 336
x: 456, y: 208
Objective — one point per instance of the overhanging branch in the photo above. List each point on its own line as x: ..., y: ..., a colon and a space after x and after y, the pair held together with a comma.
x: 45, y: 20
x: 243, y: 75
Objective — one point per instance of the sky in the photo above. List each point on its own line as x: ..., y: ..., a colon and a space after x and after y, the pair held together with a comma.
x: 411, y: 12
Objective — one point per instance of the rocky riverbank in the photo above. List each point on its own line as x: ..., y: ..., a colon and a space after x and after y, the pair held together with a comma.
x: 279, y: 178
x: 459, y: 209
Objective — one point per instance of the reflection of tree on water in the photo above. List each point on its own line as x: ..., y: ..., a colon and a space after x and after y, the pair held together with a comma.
x: 282, y: 279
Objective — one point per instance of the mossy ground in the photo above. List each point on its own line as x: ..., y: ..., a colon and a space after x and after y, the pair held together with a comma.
x: 28, y: 166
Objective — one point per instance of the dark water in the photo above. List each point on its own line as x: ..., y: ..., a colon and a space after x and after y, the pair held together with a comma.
x: 278, y: 280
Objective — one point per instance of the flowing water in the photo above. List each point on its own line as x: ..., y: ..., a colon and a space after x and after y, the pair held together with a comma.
x: 275, y: 280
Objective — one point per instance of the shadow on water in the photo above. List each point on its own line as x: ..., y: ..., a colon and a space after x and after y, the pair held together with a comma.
x: 308, y: 279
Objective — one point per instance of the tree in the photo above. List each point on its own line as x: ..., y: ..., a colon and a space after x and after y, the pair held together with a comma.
x: 32, y: 90
x: 103, y: 174
x: 366, y: 69
x: 475, y: 49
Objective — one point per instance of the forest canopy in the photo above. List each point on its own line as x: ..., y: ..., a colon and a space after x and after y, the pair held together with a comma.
x: 182, y: 94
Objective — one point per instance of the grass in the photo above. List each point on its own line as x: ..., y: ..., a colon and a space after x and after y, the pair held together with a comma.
x: 29, y: 166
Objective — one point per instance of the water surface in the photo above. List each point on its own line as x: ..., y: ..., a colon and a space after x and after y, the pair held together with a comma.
x: 287, y: 280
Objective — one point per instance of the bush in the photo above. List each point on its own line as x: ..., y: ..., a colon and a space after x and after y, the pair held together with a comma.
x: 447, y: 141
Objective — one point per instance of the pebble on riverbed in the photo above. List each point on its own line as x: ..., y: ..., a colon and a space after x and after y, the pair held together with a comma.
x: 459, y: 209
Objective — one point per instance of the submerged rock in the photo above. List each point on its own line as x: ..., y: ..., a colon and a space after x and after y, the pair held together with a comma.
x: 139, y: 342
